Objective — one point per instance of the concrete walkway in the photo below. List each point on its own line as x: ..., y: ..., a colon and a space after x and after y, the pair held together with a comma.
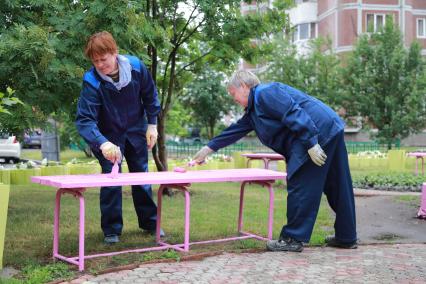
x: 398, y: 263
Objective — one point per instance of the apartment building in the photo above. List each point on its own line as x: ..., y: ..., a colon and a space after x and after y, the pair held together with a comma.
x: 344, y: 20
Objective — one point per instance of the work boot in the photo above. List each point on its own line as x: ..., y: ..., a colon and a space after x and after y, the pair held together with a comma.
x: 153, y: 232
x: 111, y: 239
x: 331, y: 241
x: 286, y: 244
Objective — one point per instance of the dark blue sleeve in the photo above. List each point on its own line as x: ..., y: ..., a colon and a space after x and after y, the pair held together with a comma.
x: 232, y: 134
x: 281, y: 106
x: 149, y: 95
x: 88, y: 107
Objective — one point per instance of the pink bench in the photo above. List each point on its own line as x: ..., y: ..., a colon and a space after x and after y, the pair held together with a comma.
x: 77, y: 184
x: 265, y: 157
x: 418, y: 156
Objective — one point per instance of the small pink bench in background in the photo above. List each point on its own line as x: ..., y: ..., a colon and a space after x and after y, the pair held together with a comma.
x: 76, y: 185
x: 265, y: 157
x: 418, y: 156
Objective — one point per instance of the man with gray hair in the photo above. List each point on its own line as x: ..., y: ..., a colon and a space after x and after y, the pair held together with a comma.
x: 298, y: 127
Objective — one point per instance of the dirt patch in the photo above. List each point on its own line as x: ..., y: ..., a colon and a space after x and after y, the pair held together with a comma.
x: 386, y: 219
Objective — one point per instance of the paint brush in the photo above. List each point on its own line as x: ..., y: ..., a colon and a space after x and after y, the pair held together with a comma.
x: 114, y: 171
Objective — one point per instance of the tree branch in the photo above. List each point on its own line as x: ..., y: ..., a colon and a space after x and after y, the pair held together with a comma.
x: 192, y: 62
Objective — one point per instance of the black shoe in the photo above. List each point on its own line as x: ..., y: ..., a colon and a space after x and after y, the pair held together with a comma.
x: 111, y: 239
x: 287, y: 244
x: 331, y: 241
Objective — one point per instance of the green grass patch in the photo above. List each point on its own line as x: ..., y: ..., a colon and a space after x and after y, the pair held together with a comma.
x: 214, y: 213
x: 413, y: 201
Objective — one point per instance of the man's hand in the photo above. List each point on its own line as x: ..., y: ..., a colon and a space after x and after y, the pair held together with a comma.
x: 151, y: 135
x: 317, y: 155
x: 202, y: 154
x: 111, y: 152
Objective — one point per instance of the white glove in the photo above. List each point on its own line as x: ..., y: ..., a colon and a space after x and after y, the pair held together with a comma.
x: 111, y: 152
x: 151, y: 135
x: 317, y: 155
x: 202, y: 154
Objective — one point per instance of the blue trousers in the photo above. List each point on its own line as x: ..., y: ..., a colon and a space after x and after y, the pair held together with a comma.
x: 305, y: 189
x: 111, y: 198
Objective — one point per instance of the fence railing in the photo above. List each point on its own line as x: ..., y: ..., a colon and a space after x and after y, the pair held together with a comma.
x: 355, y: 147
x: 187, y: 150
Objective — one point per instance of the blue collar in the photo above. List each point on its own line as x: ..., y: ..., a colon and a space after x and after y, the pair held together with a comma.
x: 250, y: 102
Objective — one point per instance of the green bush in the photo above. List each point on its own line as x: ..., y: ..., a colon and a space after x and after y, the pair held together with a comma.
x: 389, y: 181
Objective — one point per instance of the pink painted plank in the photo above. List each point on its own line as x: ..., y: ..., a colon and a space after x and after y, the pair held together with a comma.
x: 417, y: 154
x: 271, y: 156
x: 96, y: 180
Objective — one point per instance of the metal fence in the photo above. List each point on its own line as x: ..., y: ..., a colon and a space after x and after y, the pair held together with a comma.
x: 187, y: 150
x: 355, y: 147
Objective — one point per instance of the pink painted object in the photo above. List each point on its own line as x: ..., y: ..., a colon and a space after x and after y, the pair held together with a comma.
x: 114, y: 171
x: 76, y: 185
x: 265, y: 157
x: 179, y: 170
x: 97, y: 180
x: 183, y: 169
x: 422, y: 210
x: 418, y: 156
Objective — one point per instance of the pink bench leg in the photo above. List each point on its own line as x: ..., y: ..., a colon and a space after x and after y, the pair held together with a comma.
x: 266, y: 163
x: 417, y: 166
x: 81, y: 234
x: 240, y: 214
x: 187, y: 220
x: 78, y: 192
x: 422, y: 210
x: 159, y: 205
x: 183, y: 188
x: 56, y: 223
x: 270, y: 211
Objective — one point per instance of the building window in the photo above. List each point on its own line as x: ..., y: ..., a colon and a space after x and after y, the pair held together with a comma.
x: 421, y: 28
x: 304, y: 31
x: 376, y: 22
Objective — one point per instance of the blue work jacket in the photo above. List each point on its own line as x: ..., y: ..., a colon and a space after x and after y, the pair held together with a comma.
x: 106, y: 114
x: 286, y: 120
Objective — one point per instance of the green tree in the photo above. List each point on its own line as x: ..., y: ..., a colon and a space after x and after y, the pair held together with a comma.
x: 317, y: 73
x: 208, y: 100
x: 7, y: 99
x: 205, y: 31
x: 42, y: 41
x: 9, y: 122
x: 178, y: 120
x: 385, y: 83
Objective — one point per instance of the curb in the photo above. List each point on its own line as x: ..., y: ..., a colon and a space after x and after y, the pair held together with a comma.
x: 373, y: 192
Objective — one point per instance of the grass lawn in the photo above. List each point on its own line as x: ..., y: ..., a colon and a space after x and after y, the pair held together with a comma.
x: 214, y: 213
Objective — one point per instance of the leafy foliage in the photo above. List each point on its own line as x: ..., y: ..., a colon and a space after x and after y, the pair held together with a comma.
x: 389, y: 181
x: 7, y: 100
x: 317, y: 73
x: 385, y: 83
x: 177, y: 120
x: 208, y: 99
x: 42, y: 41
